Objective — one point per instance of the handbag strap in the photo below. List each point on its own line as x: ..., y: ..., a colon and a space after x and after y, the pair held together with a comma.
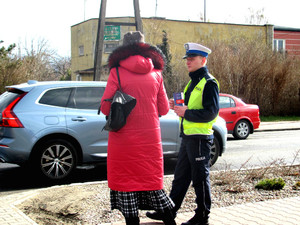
x: 99, y: 109
x: 117, y: 68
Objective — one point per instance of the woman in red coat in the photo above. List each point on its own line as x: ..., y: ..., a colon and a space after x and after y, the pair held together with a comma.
x: 135, y: 157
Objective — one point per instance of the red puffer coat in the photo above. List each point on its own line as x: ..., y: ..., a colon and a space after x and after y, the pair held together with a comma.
x: 135, y: 158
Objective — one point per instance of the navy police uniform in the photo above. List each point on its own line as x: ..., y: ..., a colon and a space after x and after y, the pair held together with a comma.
x: 194, y: 155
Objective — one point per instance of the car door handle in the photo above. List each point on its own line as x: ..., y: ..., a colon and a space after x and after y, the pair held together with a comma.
x: 233, y: 112
x: 80, y: 119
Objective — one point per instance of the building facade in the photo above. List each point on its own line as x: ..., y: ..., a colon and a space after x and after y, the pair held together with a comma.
x: 83, y: 38
x: 287, y: 40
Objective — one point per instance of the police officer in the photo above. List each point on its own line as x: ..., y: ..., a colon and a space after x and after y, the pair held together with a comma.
x: 200, y: 111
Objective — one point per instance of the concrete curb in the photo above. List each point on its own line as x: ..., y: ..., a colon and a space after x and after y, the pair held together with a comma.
x: 278, y: 126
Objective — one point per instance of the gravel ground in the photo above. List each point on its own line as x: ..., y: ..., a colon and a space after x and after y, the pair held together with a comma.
x: 90, y: 204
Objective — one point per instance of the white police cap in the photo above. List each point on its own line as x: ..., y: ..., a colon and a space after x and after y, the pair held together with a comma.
x: 194, y: 49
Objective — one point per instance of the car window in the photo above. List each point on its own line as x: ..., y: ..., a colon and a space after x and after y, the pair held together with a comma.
x: 226, y: 102
x: 56, y: 97
x: 86, y: 98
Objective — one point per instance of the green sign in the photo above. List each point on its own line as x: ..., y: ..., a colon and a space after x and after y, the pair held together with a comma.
x: 112, y: 33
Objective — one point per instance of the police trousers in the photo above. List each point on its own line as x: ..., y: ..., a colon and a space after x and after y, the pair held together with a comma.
x: 193, y: 166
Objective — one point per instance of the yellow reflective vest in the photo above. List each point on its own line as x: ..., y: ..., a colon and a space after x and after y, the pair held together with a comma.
x: 195, y: 102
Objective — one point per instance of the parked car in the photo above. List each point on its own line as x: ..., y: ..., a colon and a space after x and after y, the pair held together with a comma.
x: 241, y: 118
x: 54, y: 127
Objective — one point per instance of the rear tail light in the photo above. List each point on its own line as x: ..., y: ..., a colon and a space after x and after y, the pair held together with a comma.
x: 9, y: 118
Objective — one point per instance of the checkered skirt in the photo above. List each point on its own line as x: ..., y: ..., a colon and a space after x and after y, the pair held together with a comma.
x: 130, y: 202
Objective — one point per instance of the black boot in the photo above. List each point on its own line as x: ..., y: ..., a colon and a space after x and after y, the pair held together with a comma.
x: 158, y: 216
x: 132, y: 220
x: 197, y: 220
x: 168, y: 217
x: 154, y: 215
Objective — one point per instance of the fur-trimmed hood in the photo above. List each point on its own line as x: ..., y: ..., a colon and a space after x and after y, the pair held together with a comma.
x: 142, y: 49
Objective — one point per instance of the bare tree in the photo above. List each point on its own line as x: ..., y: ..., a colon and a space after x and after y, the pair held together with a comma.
x: 62, y: 68
x: 256, y: 17
x: 9, y: 64
x: 252, y: 71
x: 36, y: 61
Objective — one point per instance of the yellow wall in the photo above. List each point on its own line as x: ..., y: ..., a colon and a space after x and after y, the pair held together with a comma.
x: 179, y: 32
x: 83, y: 34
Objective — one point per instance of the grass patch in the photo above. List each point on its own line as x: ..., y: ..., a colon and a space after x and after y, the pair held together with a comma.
x: 271, y: 184
x: 279, y: 118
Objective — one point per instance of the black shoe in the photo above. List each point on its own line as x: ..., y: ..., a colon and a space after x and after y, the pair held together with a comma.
x: 154, y: 215
x: 197, y: 220
x: 132, y: 221
x: 157, y: 215
x: 168, y: 218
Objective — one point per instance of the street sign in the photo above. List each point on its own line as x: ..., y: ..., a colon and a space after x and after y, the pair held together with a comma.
x: 112, y: 33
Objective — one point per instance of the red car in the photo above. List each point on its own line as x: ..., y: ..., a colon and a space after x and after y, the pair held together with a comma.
x: 241, y: 118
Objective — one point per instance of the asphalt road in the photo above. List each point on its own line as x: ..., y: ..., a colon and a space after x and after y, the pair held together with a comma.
x: 259, y: 149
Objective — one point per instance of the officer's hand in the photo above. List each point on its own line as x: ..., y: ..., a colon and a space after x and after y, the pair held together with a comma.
x: 180, y: 110
x: 171, y: 103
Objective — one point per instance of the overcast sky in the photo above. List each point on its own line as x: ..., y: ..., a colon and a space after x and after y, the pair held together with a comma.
x: 26, y: 20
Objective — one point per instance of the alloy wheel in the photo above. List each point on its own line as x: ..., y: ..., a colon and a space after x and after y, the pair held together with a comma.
x: 57, y: 161
x: 242, y: 130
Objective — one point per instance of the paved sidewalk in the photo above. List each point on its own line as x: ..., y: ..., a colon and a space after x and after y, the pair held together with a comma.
x: 9, y: 214
x: 278, y: 126
x: 276, y: 212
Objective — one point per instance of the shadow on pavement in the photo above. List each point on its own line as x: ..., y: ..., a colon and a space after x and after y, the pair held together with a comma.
x: 16, y: 178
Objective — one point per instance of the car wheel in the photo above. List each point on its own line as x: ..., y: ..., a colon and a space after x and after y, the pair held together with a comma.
x: 241, y: 129
x: 56, y: 159
x: 215, y: 151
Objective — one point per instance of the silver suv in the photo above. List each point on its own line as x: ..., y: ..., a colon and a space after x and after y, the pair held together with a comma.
x: 54, y: 127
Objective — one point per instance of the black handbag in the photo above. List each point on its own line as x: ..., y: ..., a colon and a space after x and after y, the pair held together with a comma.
x: 121, y: 106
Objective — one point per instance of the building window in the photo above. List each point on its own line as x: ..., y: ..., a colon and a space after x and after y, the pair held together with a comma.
x: 81, y: 50
x: 279, y: 45
x: 78, y: 77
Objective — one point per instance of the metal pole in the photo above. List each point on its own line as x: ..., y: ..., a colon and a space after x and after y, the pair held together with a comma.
x: 204, y: 10
x: 99, y: 42
x: 100, y: 35
x: 156, y: 9
x: 138, y: 20
x: 84, y: 2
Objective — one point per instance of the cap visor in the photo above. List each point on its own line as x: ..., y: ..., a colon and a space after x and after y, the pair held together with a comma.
x: 191, y: 55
